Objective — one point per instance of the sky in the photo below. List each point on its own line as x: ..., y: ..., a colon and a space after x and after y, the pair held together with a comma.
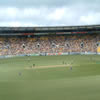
x: 33, y: 13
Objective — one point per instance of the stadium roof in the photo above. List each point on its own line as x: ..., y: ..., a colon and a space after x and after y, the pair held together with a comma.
x: 55, y: 29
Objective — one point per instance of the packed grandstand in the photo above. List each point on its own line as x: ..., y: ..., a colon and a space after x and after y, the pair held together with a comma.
x: 59, y: 41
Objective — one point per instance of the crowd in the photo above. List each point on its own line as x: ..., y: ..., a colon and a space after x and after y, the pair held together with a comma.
x: 48, y: 44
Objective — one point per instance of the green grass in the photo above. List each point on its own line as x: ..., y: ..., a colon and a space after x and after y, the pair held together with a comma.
x: 80, y: 83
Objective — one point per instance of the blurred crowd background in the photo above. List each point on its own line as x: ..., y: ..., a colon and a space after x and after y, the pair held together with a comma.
x: 48, y: 44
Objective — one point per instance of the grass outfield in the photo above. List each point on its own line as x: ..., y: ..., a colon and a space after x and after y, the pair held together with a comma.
x: 19, y: 81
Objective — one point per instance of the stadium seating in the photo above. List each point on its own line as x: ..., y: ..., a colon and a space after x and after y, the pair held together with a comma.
x: 48, y: 44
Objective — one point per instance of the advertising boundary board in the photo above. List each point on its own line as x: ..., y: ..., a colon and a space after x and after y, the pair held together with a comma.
x: 51, y: 54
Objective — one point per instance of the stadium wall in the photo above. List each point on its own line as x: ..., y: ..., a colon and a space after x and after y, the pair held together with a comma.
x: 52, y: 54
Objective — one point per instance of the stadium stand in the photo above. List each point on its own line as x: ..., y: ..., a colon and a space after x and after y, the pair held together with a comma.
x: 49, y: 44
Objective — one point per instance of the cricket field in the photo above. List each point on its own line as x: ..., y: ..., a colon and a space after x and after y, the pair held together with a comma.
x: 71, y: 77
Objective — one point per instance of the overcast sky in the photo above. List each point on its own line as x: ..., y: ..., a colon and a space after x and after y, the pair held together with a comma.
x: 49, y: 12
